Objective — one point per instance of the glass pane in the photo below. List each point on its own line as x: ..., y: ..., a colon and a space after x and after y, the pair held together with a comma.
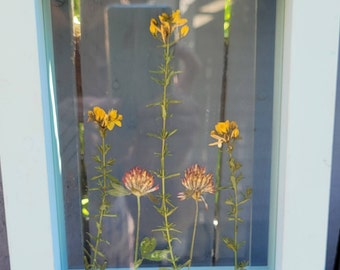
x: 225, y: 66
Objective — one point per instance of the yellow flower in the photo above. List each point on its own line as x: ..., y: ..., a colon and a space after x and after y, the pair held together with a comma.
x: 167, y: 24
x: 104, y: 120
x: 139, y: 181
x: 196, y: 181
x: 224, y: 132
x: 114, y: 119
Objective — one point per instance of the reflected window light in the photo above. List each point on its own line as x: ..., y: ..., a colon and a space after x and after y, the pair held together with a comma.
x: 213, y: 7
x: 201, y: 19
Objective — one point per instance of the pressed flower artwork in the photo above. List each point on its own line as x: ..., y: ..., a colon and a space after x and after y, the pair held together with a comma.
x: 154, y: 186
x: 165, y: 142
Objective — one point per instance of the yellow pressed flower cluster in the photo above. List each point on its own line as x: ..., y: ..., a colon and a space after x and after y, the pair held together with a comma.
x: 197, y: 181
x: 105, y: 120
x: 225, y: 132
x: 139, y: 182
x: 168, y: 24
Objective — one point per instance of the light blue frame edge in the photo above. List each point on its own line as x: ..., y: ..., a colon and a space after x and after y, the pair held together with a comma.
x: 278, y: 60
x: 45, y: 44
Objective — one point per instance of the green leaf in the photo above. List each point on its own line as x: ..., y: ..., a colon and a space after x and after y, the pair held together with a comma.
x: 110, y: 215
x: 230, y: 244
x: 110, y: 162
x: 171, y: 133
x: 174, y: 101
x: 158, y: 81
x: 243, y: 201
x: 147, y: 249
x: 220, y: 188
x: 113, y: 179
x: 156, y: 71
x: 153, y: 104
x: 147, y: 245
x: 158, y: 255
x: 97, y: 158
x: 172, y: 175
x: 118, y: 190
x: 154, y: 135
x: 96, y: 250
x: 169, y: 213
x: 159, y: 210
x: 229, y: 202
x: 96, y: 177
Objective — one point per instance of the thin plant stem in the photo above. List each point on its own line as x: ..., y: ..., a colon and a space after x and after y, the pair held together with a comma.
x: 103, y: 201
x: 193, y: 235
x: 99, y: 231
x: 217, y: 204
x: 236, y: 230
x: 235, y: 212
x: 137, y: 231
x: 164, y: 108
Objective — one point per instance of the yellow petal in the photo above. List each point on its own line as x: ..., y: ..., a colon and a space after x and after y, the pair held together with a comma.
x: 113, y: 114
x: 163, y: 17
x: 91, y: 116
x: 118, y: 122
x: 184, y: 31
x: 235, y: 133
x: 153, y: 27
x: 110, y: 125
x: 222, y: 127
x: 99, y: 113
x: 177, y: 19
x: 114, y: 119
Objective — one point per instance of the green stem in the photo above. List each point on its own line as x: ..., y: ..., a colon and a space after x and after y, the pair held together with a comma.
x: 236, y: 230
x: 193, y: 235
x: 235, y: 214
x: 137, y: 231
x: 99, y: 232
x: 217, y: 206
x: 164, y: 108
x: 103, y: 202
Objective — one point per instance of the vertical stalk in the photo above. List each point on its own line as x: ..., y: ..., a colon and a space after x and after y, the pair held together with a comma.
x: 236, y: 230
x: 217, y: 204
x: 193, y: 235
x: 137, y: 231
x: 164, y: 108
x: 102, y: 207
x: 235, y: 210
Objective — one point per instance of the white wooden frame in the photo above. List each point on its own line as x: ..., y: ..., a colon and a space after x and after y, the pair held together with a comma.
x: 306, y: 62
